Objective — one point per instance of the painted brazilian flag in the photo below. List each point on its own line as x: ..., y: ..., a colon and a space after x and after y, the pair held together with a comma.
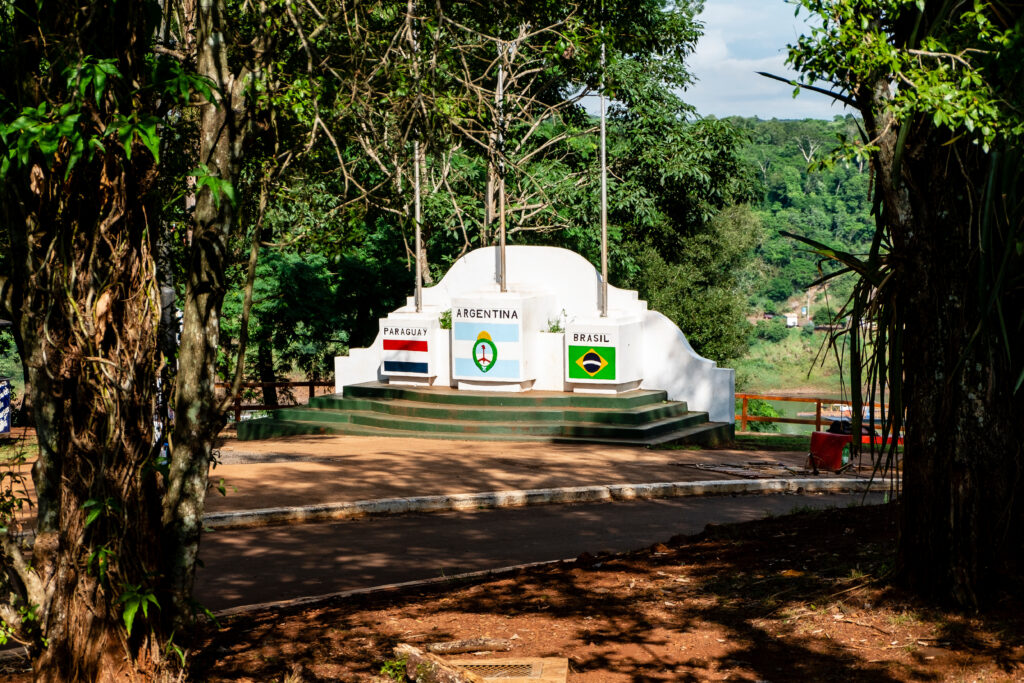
x: 592, y: 362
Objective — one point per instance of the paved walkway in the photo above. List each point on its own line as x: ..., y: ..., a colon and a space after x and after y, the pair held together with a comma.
x: 250, y: 566
x: 311, y: 470
x: 247, y: 566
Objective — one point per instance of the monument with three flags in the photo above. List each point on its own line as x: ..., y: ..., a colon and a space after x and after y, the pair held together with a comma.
x: 522, y: 342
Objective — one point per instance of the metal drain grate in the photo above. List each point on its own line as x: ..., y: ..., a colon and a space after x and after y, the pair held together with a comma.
x: 490, y: 670
x: 517, y: 669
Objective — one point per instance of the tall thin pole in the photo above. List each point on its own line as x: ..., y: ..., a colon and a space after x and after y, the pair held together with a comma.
x: 417, y: 218
x: 604, y: 201
x: 416, y: 221
x: 500, y: 96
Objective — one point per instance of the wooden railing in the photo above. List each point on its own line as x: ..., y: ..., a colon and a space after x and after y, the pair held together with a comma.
x: 238, y: 407
x: 744, y: 417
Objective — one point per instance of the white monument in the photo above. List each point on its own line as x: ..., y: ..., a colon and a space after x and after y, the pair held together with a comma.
x: 546, y: 332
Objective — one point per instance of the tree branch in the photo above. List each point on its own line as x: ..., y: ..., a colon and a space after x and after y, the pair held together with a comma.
x: 35, y: 593
x: 845, y: 99
x: 6, y: 297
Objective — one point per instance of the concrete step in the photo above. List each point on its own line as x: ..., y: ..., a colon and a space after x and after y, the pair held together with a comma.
x: 499, y: 426
x: 464, y: 412
x: 708, y: 433
x: 635, y: 417
x: 445, y: 395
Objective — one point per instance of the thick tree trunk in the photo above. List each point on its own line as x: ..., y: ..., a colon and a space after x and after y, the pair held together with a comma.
x: 962, y: 523
x: 85, y: 305
x: 92, y: 374
x: 962, y: 518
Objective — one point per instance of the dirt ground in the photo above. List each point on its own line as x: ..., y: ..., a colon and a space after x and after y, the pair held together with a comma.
x: 792, y: 598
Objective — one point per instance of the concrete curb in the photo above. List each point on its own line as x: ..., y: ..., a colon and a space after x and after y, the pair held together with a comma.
x: 509, y: 499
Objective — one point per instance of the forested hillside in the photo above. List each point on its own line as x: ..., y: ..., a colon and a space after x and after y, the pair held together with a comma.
x: 802, y: 192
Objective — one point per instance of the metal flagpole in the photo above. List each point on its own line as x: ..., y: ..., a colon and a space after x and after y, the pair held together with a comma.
x: 500, y: 96
x: 604, y: 201
x: 417, y: 224
x: 416, y: 221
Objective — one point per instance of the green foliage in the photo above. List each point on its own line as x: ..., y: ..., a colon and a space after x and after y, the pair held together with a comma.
x: 787, y: 442
x: 795, y: 361
x: 959, y: 64
x: 773, y: 330
x: 556, y: 324
x: 93, y: 86
x: 680, y: 233
x: 309, y: 307
x: 12, y: 483
x: 133, y: 598
x: 295, y: 311
x: 446, y: 319
x: 805, y: 192
x: 94, y: 509
x: 27, y: 616
x: 824, y: 315
x: 394, y: 669
x: 759, y: 408
x: 10, y: 361
x: 219, y: 188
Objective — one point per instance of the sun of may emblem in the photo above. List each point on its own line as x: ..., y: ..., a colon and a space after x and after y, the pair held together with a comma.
x: 484, y: 352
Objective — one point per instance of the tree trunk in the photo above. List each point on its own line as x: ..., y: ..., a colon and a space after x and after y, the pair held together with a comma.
x: 265, y: 371
x: 85, y: 304
x: 962, y: 521
x: 93, y: 382
x: 198, y: 414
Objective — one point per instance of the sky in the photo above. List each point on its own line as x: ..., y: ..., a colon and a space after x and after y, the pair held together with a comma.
x: 742, y: 37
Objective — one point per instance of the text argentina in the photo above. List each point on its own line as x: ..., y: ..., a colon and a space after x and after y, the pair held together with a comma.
x: 487, y: 313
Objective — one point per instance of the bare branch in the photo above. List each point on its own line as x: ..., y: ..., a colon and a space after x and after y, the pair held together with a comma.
x: 845, y: 99
x: 35, y: 593
x: 177, y: 54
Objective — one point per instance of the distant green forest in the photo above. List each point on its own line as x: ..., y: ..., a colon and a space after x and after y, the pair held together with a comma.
x: 801, y: 192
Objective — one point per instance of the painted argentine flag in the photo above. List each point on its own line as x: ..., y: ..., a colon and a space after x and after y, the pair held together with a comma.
x: 486, y: 350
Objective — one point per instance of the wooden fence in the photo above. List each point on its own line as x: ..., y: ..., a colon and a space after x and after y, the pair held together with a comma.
x: 289, y: 396
x: 818, y: 420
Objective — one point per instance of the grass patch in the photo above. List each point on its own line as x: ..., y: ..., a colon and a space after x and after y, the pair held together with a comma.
x: 752, y: 441
x: 15, y: 450
x: 789, y: 365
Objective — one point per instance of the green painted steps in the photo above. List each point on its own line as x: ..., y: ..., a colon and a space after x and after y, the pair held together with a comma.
x: 401, y: 407
x: 706, y: 434
x: 636, y: 417
x: 549, y: 399
x: 499, y: 424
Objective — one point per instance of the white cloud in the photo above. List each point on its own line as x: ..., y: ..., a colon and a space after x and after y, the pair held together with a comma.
x: 742, y: 37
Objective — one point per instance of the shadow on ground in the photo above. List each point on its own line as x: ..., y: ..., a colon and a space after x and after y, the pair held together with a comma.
x: 782, y: 599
